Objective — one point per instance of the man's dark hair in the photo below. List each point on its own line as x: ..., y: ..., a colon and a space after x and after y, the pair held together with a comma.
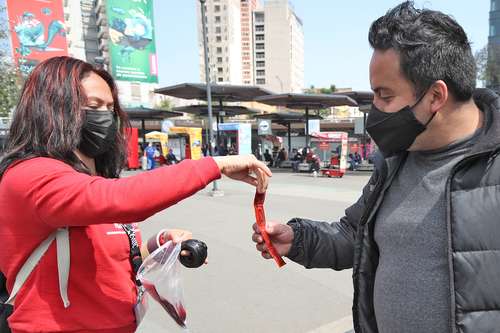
x: 432, y: 46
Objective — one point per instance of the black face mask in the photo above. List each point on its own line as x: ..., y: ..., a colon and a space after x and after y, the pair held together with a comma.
x: 98, y: 132
x: 396, y: 131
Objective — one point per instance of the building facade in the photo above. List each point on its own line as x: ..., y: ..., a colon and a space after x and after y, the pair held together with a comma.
x: 81, y: 29
x: 268, y: 39
x: 494, y: 46
x: 259, y: 48
x: 279, y: 47
x: 88, y: 35
x: 224, y: 41
x: 494, y: 35
x: 247, y: 38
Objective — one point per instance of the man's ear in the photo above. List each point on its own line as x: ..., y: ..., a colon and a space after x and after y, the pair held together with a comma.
x: 439, y: 93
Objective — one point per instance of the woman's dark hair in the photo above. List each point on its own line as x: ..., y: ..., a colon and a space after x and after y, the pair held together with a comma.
x: 48, y: 119
x: 432, y: 46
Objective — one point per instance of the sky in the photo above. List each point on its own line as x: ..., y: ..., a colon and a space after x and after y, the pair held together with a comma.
x: 336, y: 48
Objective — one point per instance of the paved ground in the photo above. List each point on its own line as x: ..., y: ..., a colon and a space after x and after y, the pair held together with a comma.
x: 241, y: 292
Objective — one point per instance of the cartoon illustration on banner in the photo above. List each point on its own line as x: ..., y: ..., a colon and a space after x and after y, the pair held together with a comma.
x: 132, y: 44
x: 37, y: 31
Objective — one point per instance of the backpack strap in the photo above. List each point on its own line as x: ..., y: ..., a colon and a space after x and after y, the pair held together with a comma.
x: 61, y: 236
x: 63, y: 263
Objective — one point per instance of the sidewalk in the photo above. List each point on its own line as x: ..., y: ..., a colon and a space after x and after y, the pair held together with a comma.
x: 343, y: 325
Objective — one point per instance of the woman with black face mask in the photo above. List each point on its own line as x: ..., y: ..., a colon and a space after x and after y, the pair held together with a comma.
x: 66, y: 213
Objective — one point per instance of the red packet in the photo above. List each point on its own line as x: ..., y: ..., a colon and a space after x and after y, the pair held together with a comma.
x: 258, y: 204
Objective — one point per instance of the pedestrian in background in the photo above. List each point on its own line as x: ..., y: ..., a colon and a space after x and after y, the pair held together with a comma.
x: 268, y: 158
x: 296, y: 159
x: 171, y: 158
x: 150, y: 154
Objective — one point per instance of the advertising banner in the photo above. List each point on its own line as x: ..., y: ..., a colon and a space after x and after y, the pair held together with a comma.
x: 37, y: 31
x: 244, y: 135
x: 132, y: 47
x: 343, y: 154
x: 314, y: 126
x: 245, y: 139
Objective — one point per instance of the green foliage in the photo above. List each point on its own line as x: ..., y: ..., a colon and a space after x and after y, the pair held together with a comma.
x: 325, y: 112
x: 10, y: 78
x: 165, y: 104
x: 4, y: 27
x: 10, y: 88
x: 329, y: 90
x: 488, y: 65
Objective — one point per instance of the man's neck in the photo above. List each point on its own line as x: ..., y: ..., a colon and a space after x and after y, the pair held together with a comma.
x: 453, y: 123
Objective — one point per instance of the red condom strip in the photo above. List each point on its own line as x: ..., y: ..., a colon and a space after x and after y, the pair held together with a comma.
x: 258, y: 204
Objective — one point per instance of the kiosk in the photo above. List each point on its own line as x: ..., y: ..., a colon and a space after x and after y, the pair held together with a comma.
x: 338, y: 163
x: 237, y: 135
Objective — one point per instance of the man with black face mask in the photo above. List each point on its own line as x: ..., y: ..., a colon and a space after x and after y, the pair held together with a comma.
x: 423, y: 239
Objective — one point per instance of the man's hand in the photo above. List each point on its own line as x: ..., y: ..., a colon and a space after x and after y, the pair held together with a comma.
x: 281, y: 236
x: 239, y: 167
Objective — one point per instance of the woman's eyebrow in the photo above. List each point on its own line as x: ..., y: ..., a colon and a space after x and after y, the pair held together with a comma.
x: 100, y: 100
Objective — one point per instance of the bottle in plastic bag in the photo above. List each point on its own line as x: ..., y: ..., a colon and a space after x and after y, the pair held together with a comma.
x: 160, y: 276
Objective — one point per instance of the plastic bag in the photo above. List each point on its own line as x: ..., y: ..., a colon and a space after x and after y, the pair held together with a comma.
x: 160, y: 276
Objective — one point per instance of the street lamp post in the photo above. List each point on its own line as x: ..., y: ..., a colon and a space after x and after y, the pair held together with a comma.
x: 215, y: 190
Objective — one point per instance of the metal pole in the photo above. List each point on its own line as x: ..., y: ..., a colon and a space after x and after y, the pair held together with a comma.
x: 221, y: 105
x: 217, y: 135
x: 289, y: 127
x: 143, y: 125
x: 364, y: 135
x: 207, y: 138
x: 307, y: 127
x: 219, y: 121
x: 207, y: 78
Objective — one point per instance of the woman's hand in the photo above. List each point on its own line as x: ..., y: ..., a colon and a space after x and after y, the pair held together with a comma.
x: 178, y: 236
x: 174, y: 235
x: 240, y: 167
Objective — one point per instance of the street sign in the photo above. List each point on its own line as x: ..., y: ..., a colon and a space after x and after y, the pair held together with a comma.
x: 166, y: 124
x: 324, y: 145
x: 264, y: 127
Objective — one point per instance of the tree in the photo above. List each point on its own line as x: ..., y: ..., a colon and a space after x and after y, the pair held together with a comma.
x: 329, y: 90
x: 10, y: 88
x: 11, y: 79
x: 314, y: 90
x: 165, y: 104
x: 488, y: 65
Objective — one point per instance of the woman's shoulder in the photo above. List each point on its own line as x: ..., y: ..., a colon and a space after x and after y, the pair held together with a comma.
x: 23, y: 178
x: 35, y: 166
